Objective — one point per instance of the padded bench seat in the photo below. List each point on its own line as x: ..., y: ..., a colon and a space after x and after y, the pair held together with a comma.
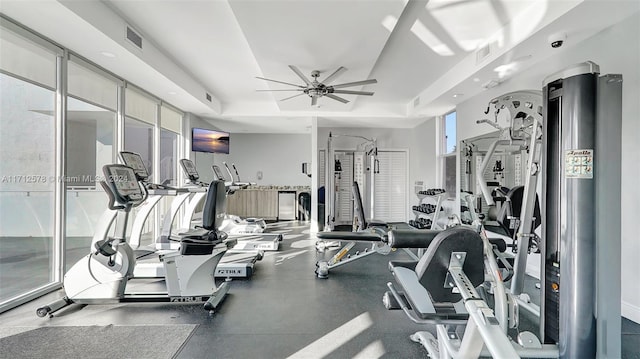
x: 420, y: 300
x: 422, y: 284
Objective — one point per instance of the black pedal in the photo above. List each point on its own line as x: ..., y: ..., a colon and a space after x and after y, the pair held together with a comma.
x: 104, y: 247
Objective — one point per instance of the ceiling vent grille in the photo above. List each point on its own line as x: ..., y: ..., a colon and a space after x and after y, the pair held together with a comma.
x: 416, y: 102
x: 208, y: 97
x: 134, y: 37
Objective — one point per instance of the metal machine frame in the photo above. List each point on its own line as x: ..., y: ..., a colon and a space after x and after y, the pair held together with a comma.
x: 366, y: 165
x: 582, y: 237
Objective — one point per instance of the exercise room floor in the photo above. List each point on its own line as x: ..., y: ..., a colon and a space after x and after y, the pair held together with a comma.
x: 284, y: 311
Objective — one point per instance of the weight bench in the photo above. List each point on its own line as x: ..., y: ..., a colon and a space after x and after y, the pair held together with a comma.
x: 440, y: 289
x: 372, y: 231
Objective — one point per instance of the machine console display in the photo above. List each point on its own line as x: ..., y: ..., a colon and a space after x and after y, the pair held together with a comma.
x: 189, y: 169
x: 134, y: 160
x: 123, y: 182
x: 218, y: 173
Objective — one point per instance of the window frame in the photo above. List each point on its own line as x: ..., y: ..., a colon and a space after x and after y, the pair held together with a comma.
x: 442, y: 154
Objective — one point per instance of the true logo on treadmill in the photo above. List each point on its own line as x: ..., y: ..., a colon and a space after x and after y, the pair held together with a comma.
x: 229, y: 271
x: 185, y: 299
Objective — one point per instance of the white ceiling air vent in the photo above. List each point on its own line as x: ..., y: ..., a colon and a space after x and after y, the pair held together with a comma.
x: 416, y: 102
x: 134, y: 37
x: 483, y: 53
x: 491, y: 84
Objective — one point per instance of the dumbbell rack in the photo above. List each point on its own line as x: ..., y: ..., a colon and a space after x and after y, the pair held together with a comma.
x: 427, y: 213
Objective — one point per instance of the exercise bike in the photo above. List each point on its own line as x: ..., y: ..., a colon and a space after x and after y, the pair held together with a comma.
x: 102, y: 276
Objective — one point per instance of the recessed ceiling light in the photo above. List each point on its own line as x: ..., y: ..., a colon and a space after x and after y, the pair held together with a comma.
x: 108, y: 54
x: 476, y: 79
x: 458, y: 95
x: 172, y: 92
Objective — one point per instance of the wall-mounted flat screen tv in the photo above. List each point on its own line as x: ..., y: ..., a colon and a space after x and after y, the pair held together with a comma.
x: 210, y: 141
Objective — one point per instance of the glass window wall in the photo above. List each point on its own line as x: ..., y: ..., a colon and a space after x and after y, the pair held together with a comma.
x: 27, y: 186
x: 448, y: 155
x: 171, y: 125
x: 90, y: 144
x: 32, y: 190
x: 138, y: 138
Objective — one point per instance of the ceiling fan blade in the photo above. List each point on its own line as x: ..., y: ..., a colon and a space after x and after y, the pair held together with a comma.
x: 337, y: 98
x: 314, y: 100
x: 280, y: 82
x: 280, y: 90
x: 334, y: 75
x: 299, y: 73
x: 290, y: 97
x: 349, y: 92
x: 357, y: 83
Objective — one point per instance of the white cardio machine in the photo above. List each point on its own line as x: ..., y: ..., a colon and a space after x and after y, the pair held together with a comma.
x: 103, y: 276
x: 234, y: 264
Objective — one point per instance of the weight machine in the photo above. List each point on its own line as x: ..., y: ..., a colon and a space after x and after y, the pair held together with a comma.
x: 365, y: 166
x: 580, y: 250
x: 524, y: 131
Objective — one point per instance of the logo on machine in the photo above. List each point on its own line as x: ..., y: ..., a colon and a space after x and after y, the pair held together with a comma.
x: 228, y: 271
x: 579, y: 164
x: 186, y: 299
x: 580, y: 152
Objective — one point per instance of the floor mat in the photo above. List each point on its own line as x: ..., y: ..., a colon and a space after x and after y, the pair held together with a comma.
x: 111, y: 341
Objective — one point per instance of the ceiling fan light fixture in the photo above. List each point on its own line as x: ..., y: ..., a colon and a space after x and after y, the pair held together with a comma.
x: 316, y: 89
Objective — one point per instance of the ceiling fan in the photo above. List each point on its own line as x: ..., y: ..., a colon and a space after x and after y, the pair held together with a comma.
x: 316, y: 89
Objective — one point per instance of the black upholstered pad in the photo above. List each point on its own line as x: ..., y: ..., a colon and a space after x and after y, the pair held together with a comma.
x: 499, y: 243
x: 433, y: 267
x: 214, y: 206
x: 411, y: 238
x: 350, y: 236
x: 513, y: 207
x: 377, y: 223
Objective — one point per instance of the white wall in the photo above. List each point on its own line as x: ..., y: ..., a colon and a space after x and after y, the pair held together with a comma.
x: 424, y: 153
x: 278, y: 156
x: 617, y: 51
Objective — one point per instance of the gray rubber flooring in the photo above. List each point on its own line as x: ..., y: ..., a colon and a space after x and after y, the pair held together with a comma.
x: 284, y: 311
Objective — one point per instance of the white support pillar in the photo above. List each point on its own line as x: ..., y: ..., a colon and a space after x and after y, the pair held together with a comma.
x: 315, y: 176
